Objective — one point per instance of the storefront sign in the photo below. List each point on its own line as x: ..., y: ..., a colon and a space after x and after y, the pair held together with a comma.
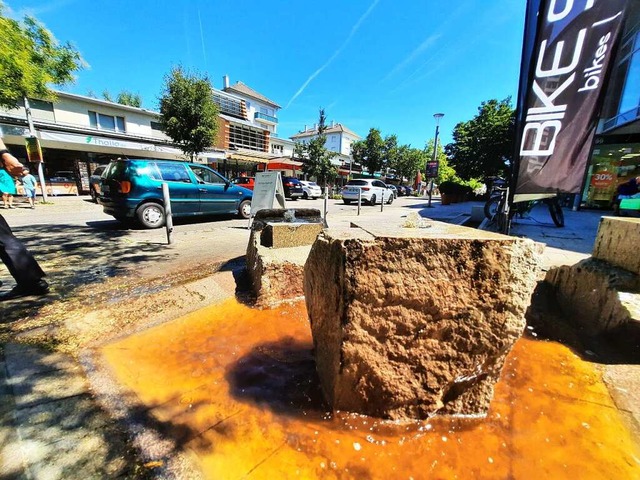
x: 567, y: 51
x: 602, y: 179
x: 432, y: 169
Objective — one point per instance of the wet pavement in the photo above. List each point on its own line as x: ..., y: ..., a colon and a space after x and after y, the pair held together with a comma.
x: 191, y: 392
x: 238, y: 388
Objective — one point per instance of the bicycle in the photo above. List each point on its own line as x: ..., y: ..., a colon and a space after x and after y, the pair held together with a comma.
x: 494, y: 208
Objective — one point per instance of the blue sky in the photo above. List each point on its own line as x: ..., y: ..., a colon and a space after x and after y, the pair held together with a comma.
x: 388, y: 64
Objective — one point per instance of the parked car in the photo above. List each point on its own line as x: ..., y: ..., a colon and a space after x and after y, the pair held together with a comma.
x: 132, y: 189
x: 310, y: 189
x: 372, y: 190
x: 404, y: 190
x: 292, y: 188
x: 95, y: 181
x: 395, y: 190
x: 246, y: 182
x: 63, y: 176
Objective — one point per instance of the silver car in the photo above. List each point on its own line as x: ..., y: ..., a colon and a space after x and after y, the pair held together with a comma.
x: 310, y: 189
x: 372, y: 190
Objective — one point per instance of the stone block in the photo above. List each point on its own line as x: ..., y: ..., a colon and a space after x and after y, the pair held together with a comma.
x: 286, y: 235
x: 617, y: 242
x: 279, y: 244
x: 596, y: 296
x: 408, y: 323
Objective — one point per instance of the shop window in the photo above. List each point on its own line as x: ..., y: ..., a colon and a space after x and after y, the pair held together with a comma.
x: 106, y: 122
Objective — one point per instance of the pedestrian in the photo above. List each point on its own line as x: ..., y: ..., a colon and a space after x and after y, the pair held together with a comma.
x: 23, y: 267
x: 7, y: 187
x: 29, y: 185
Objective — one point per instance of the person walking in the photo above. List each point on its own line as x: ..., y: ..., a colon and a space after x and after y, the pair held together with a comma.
x: 29, y: 185
x: 7, y: 187
x: 21, y: 264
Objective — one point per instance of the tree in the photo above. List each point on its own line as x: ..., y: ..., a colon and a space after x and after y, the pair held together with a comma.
x: 317, y: 157
x: 123, y: 98
x: 127, y: 98
x: 31, y: 60
x: 410, y: 160
x: 445, y: 171
x: 370, y: 151
x: 188, y: 113
x: 483, y: 146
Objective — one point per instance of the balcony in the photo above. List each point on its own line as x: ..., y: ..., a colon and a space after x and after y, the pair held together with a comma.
x: 264, y: 118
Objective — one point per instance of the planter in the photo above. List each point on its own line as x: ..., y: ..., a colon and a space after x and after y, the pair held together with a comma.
x: 445, y: 198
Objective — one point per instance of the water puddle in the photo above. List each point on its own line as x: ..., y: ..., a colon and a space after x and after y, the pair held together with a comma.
x: 237, y: 387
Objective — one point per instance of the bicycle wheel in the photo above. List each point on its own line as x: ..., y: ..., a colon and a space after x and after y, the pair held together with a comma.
x: 556, y: 213
x: 492, y: 207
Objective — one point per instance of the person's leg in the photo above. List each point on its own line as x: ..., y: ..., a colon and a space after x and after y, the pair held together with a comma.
x: 10, y: 201
x: 21, y: 264
x: 5, y: 200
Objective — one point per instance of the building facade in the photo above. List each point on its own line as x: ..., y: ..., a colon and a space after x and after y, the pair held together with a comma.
x: 78, y: 133
x: 339, y: 140
x: 616, y: 153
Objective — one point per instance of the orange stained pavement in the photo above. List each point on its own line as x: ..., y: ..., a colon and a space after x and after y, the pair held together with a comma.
x: 237, y: 387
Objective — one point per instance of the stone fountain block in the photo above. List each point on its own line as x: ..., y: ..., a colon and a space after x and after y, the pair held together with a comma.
x: 408, y: 323
x: 278, y: 248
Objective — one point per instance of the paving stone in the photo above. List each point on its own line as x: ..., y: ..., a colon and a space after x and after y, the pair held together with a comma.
x: 26, y: 361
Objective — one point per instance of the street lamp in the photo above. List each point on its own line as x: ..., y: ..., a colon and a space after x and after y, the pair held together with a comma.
x: 434, y: 162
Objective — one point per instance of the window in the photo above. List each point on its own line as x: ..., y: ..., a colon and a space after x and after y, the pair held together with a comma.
x: 204, y: 175
x: 156, y: 126
x: 106, y: 122
x: 174, y: 172
x: 267, y: 111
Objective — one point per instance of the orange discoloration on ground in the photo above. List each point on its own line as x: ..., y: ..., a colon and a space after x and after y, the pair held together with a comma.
x: 237, y: 387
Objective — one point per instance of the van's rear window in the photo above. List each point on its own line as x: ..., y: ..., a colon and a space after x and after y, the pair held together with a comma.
x: 117, y: 170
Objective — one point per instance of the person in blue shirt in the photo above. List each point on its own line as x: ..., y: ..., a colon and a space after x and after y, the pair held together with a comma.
x: 29, y: 185
x: 21, y: 264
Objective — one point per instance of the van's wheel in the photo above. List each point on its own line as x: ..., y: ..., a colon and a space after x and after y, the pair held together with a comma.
x: 244, y: 210
x: 373, y: 200
x: 94, y: 196
x: 150, y: 215
x: 305, y: 195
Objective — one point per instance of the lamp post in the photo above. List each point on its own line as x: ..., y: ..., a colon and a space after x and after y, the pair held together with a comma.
x: 434, y: 161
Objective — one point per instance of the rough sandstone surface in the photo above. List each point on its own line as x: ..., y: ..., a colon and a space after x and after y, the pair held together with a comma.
x: 277, y: 252
x: 414, y: 322
x: 602, y: 293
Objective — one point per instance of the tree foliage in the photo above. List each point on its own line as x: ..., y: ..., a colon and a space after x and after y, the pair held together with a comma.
x: 128, y: 98
x: 370, y: 152
x: 445, y: 170
x: 31, y: 60
x: 188, y: 113
x: 410, y: 161
x: 483, y: 146
x: 317, y: 158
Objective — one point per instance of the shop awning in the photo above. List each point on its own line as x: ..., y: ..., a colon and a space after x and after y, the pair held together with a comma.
x: 249, y: 156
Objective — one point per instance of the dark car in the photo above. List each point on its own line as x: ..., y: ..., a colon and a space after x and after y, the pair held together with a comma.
x: 405, y: 190
x: 292, y: 188
x: 132, y: 189
x: 94, y: 182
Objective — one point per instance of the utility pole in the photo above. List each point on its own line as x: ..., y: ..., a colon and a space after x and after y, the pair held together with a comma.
x: 32, y: 133
x: 437, y: 116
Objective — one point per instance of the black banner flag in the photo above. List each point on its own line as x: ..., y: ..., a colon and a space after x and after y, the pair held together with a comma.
x: 568, y: 49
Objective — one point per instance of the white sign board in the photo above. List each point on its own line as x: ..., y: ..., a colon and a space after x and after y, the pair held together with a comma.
x: 267, y: 192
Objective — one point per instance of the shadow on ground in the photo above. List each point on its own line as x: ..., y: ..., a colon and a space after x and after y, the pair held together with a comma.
x: 75, y: 256
x: 618, y: 346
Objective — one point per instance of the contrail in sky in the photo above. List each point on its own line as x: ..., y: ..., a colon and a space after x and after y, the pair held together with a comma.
x: 204, y: 52
x: 354, y: 29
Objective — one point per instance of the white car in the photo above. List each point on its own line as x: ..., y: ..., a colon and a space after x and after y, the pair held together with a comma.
x: 310, y: 189
x: 372, y: 191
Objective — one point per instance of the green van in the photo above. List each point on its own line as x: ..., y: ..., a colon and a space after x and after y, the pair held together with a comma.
x: 132, y: 189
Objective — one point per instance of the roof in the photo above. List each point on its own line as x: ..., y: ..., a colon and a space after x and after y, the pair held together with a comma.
x: 243, y: 89
x: 337, y: 128
x: 107, y: 103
